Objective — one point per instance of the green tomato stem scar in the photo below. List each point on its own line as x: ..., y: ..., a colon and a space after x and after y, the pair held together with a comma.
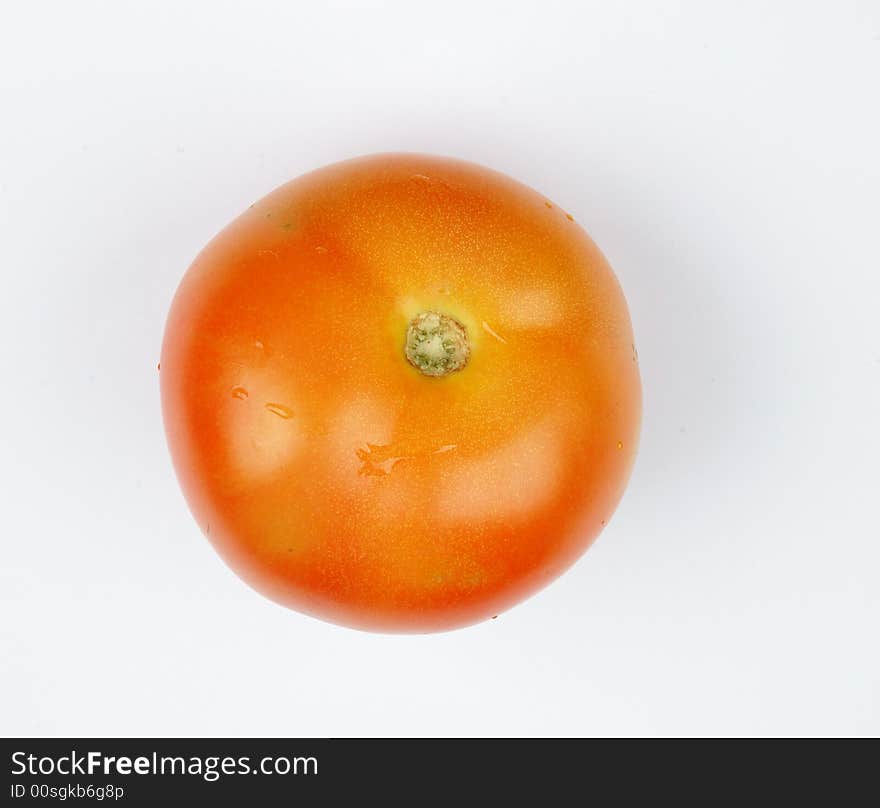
x: 436, y: 344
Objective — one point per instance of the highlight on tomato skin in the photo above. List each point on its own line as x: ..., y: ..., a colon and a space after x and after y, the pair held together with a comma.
x: 401, y: 392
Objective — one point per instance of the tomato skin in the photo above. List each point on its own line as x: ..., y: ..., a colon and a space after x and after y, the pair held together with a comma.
x: 330, y: 473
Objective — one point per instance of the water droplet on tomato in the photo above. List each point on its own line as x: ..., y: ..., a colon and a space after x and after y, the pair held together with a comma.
x: 239, y: 392
x: 378, y: 461
x: 279, y: 409
x: 492, y: 332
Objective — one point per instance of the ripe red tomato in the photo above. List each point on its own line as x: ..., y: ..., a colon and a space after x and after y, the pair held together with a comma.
x: 401, y: 392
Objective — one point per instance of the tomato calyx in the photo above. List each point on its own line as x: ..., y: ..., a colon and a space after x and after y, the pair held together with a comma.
x: 436, y: 344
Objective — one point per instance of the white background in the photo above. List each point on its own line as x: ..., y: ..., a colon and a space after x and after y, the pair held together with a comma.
x: 725, y: 156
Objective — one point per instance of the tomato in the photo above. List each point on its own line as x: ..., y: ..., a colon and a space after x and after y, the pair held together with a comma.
x: 401, y: 392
